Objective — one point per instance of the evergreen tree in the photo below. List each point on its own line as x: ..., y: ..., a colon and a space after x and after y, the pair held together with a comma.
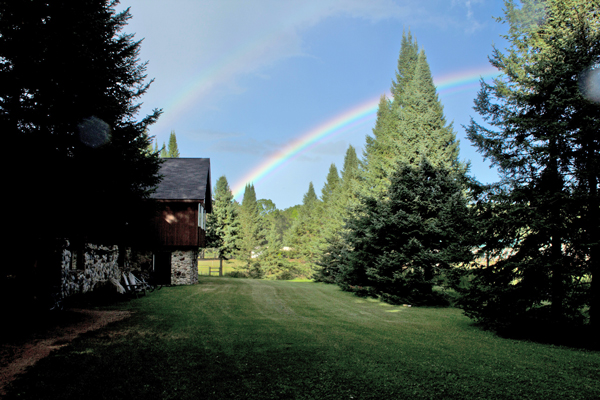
x: 303, y: 236
x: 150, y: 140
x: 541, y: 220
x: 410, y: 129
x: 410, y: 126
x: 284, y: 219
x: 422, y: 124
x: 309, y: 201
x: 71, y: 84
x: 250, y: 232
x: 325, y: 215
x: 222, y: 228
x: 331, y: 184
x: 173, y: 151
x: 153, y: 148
x: 337, y: 211
x: 273, y: 259
x: 350, y: 170
x: 163, y: 151
x: 407, y: 60
x: 403, y: 241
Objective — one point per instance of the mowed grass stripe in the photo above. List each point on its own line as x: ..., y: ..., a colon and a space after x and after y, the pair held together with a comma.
x: 252, y: 339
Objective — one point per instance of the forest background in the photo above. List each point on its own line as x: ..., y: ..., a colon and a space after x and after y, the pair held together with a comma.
x: 406, y: 223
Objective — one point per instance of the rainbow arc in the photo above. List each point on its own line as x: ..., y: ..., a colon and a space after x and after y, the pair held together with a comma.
x: 347, y: 120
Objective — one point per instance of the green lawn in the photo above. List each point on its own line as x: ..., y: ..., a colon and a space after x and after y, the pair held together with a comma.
x: 253, y: 339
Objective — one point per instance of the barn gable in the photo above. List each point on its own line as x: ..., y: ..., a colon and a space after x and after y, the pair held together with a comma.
x: 184, y: 197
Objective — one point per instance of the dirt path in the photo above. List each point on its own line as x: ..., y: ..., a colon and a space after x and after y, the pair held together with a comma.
x: 15, y: 358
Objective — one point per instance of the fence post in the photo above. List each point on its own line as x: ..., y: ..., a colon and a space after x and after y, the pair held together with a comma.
x: 220, y: 266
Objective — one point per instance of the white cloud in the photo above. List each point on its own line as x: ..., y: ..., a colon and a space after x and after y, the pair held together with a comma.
x: 210, y: 44
x: 472, y: 24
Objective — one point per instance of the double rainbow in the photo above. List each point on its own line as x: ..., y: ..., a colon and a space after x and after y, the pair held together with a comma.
x: 355, y: 116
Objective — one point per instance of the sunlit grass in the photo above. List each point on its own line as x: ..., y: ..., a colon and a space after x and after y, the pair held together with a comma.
x: 228, y: 266
x: 254, y: 339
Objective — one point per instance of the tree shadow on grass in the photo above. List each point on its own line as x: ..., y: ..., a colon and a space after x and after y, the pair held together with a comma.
x: 578, y: 337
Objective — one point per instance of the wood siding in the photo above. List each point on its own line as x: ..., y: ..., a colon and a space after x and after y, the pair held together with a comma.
x: 177, y: 225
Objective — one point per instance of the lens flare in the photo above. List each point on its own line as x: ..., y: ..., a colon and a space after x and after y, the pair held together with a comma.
x: 93, y: 132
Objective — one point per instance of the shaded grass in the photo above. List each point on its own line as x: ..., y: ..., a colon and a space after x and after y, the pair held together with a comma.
x: 254, y: 339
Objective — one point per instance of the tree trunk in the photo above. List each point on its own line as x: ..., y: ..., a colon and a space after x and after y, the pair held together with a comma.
x: 593, y: 224
x: 555, y: 189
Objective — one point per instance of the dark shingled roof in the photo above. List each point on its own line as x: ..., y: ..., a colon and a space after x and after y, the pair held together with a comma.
x: 185, y: 179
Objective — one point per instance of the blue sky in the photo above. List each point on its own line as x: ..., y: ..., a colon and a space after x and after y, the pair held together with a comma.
x: 239, y: 80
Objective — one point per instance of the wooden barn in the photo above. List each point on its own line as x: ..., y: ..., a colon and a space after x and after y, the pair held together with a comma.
x: 184, y: 198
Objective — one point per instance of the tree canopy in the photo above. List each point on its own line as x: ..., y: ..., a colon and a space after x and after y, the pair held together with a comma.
x: 71, y: 100
x: 173, y: 151
x: 540, y: 223
x: 223, y: 223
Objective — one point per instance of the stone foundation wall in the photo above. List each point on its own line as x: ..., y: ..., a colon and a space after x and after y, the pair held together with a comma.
x: 100, y: 263
x: 184, y: 267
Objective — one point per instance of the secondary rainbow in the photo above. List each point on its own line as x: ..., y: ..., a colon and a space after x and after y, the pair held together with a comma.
x: 355, y: 116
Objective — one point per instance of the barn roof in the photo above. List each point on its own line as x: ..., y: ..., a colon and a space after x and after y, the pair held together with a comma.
x: 185, y: 179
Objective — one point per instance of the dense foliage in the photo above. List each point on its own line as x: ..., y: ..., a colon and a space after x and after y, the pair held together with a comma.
x: 71, y: 83
x: 251, y: 232
x: 222, y: 228
x: 403, y: 243
x: 405, y: 218
x: 173, y: 151
x: 540, y: 223
x: 407, y: 212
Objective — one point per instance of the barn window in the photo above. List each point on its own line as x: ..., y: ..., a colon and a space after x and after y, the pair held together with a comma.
x: 201, y: 216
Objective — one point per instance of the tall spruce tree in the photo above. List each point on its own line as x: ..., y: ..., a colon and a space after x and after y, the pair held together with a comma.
x: 324, y: 214
x: 331, y: 184
x: 410, y: 126
x: 173, y: 151
x: 410, y: 129
x: 163, y: 151
x: 223, y: 223
x: 402, y: 242
x: 422, y: 125
x: 541, y: 133
x: 250, y: 231
x: 304, y: 234
x: 70, y: 95
x: 336, y: 212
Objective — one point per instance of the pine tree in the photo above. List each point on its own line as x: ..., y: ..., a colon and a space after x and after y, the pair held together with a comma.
x: 310, y: 200
x: 410, y: 126
x: 546, y: 148
x: 410, y: 129
x: 350, y: 170
x: 273, y: 260
x: 163, y: 151
x: 303, y: 236
x: 250, y: 232
x: 173, y: 151
x: 407, y: 60
x: 71, y: 99
x: 337, y: 211
x: 222, y: 228
x: 402, y: 242
x: 422, y: 125
x: 331, y: 184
